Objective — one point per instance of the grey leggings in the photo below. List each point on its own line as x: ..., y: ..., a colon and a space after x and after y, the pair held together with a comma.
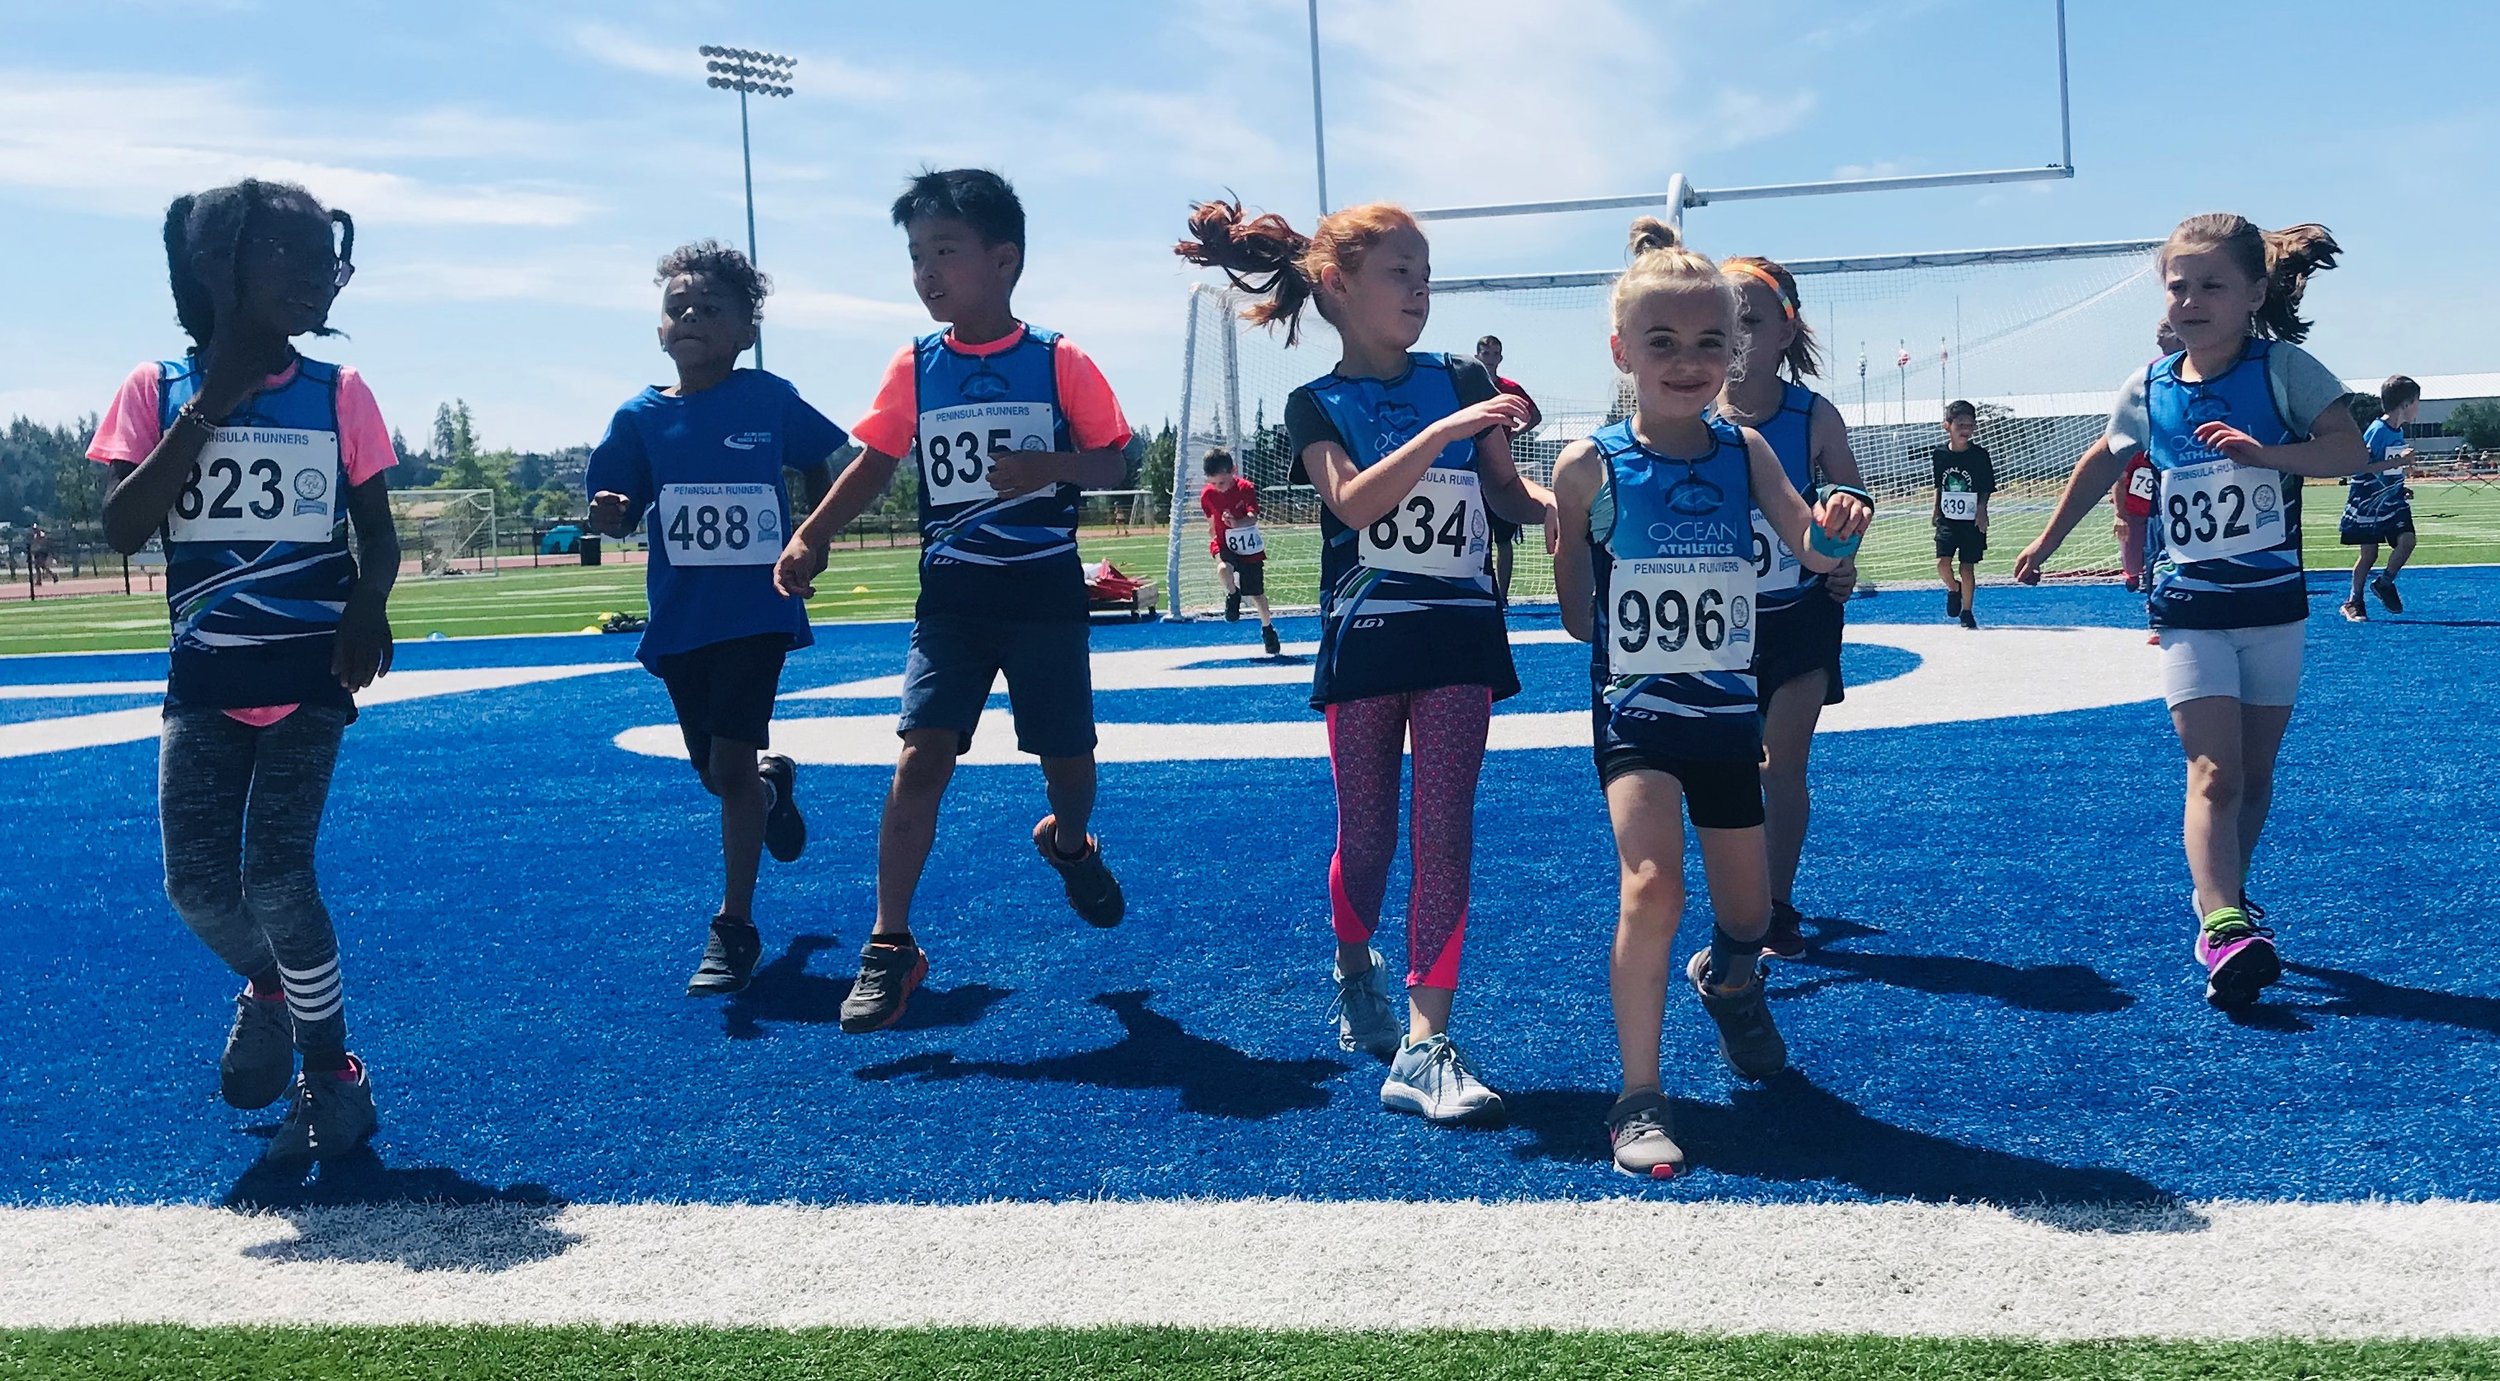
x: 241, y: 807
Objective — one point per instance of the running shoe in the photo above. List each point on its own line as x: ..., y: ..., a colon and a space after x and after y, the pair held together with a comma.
x: 1969, y: 619
x: 260, y: 1053
x: 2353, y: 611
x: 1643, y: 1134
x: 1748, y: 1041
x: 1365, y: 1018
x: 1091, y: 889
x: 2385, y: 588
x: 1431, y: 1079
x: 888, y: 975
x: 1267, y: 636
x: 331, y: 1116
x: 2239, y: 958
x: 1232, y: 608
x: 785, y: 830
x: 729, y: 956
x: 1786, y: 938
x: 1952, y: 601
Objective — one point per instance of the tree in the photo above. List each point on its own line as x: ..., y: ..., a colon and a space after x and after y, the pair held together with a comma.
x: 2478, y: 422
x: 1154, y: 469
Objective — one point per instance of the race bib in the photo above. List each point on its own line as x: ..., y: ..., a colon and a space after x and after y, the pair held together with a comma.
x: 1681, y: 615
x: 260, y: 484
x: 1775, y: 566
x: 2140, y: 484
x: 2220, y: 509
x: 958, y: 443
x: 1438, y: 529
x: 720, y: 524
x: 1243, y: 539
x: 1958, y: 505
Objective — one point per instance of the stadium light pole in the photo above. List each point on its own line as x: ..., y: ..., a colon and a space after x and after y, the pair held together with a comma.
x: 749, y: 73
x: 1319, y: 122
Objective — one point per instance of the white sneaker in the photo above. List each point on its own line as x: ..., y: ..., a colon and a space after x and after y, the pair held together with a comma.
x: 1365, y: 1018
x: 1430, y: 1079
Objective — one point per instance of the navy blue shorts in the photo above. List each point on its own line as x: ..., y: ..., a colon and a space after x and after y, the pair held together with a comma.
x: 2386, y: 529
x: 955, y: 662
x: 1797, y: 639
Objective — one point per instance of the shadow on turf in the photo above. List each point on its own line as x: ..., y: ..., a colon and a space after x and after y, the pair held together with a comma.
x: 2075, y: 988
x: 1791, y: 1130
x: 784, y: 991
x: 2350, y: 994
x: 1154, y: 1052
x: 398, y: 1215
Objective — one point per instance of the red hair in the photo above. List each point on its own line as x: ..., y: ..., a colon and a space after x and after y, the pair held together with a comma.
x: 1268, y: 258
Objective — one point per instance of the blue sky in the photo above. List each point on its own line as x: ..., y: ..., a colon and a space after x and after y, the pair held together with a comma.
x: 515, y: 170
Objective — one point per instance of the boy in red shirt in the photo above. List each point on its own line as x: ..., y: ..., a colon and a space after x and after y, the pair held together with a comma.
x: 1231, y: 504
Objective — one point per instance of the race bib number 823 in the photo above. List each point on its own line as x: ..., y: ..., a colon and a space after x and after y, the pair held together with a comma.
x: 260, y: 484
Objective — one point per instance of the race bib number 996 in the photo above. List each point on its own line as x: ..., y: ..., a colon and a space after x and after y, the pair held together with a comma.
x: 1775, y: 566
x: 2220, y: 509
x: 260, y: 484
x: 1438, y: 529
x: 1680, y: 616
x: 720, y: 524
x: 958, y: 443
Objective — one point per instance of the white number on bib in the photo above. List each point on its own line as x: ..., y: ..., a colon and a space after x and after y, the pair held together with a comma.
x: 2140, y: 484
x: 1438, y: 529
x: 260, y: 484
x: 1681, y: 615
x: 2220, y: 509
x: 1775, y: 566
x: 1958, y: 505
x: 1243, y: 539
x: 720, y: 524
x: 958, y: 443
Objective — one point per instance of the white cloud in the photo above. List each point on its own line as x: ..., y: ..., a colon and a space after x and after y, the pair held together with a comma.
x: 628, y: 52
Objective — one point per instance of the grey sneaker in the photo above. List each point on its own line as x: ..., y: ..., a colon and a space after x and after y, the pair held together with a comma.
x: 1430, y: 1079
x: 1365, y: 1018
x: 260, y: 1053
x: 729, y: 956
x: 887, y: 976
x: 1644, y: 1136
x: 1091, y: 889
x: 1748, y: 1041
x: 785, y: 830
x: 331, y: 1116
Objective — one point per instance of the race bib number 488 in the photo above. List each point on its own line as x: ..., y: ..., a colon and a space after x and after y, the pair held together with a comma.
x: 1438, y: 529
x: 958, y: 443
x: 260, y: 484
x: 2220, y: 509
x: 1680, y: 616
x: 720, y: 524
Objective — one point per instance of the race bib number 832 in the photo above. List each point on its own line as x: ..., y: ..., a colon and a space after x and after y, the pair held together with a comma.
x: 2220, y: 509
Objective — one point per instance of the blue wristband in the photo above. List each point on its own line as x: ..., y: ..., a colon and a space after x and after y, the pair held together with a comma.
x: 1821, y: 541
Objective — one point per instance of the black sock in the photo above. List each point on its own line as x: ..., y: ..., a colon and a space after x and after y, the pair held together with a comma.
x: 898, y: 939
x: 725, y: 918
x: 325, y: 1061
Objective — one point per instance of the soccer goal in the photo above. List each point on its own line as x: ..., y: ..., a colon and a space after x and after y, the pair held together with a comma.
x: 2037, y: 338
x: 447, y: 532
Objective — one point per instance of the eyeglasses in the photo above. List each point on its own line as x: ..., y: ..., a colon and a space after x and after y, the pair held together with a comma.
x: 284, y: 253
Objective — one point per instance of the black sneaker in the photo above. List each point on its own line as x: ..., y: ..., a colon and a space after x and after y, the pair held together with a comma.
x: 785, y: 830
x: 1232, y: 608
x: 2385, y: 588
x: 1267, y: 636
x: 888, y: 975
x: 1091, y: 889
x: 259, y: 1061
x: 728, y: 958
x: 1748, y: 1041
x: 1969, y: 619
x: 1786, y: 937
x: 1952, y: 602
x: 331, y: 1116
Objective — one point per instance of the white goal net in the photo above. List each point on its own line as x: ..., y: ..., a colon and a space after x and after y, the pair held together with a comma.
x: 2037, y: 339
x: 446, y: 532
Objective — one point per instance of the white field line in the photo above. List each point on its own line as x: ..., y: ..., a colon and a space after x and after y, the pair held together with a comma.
x: 2219, y: 1270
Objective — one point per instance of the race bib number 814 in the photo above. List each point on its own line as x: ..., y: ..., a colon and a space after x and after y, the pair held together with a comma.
x: 1438, y: 529
x: 260, y: 484
x: 720, y: 524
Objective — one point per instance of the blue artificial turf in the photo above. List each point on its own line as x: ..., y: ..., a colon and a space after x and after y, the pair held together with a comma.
x: 2000, y: 1005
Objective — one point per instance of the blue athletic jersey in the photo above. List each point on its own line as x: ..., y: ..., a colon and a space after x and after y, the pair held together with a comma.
x: 2254, y: 588
x: 982, y: 556
x: 2370, y: 500
x: 705, y: 471
x: 1783, y: 579
x: 1385, y: 630
x: 255, y: 621
x: 1686, y: 513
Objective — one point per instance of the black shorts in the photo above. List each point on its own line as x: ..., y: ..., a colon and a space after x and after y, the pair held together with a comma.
x: 725, y: 690
x: 1961, y: 541
x: 1249, y: 577
x: 1719, y: 793
x: 1503, y: 529
x: 1798, y: 639
x: 2383, y: 530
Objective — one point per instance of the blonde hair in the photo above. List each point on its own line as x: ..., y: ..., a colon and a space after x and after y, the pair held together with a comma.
x: 1662, y: 262
x: 1269, y: 259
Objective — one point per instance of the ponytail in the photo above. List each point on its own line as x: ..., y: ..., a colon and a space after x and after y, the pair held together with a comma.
x: 2281, y: 259
x: 1804, y: 356
x: 1268, y: 259
x: 1661, y: 260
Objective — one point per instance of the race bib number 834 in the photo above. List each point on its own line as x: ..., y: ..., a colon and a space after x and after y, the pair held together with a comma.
x: 260, y: 484
x: 1438, y: 529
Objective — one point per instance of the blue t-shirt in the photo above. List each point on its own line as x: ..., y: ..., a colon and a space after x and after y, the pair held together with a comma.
x: 1783, y: 579
x: 1672, y: 579
x: 705, y: 472
x: 1407, y: 603
x: 2379, y: 498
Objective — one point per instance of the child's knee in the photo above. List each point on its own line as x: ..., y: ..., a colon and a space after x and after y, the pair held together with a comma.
x: 1651, y: 897
x: 2214, y: 784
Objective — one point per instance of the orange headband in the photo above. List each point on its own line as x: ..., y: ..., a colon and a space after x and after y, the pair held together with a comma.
x: 1787, y: 304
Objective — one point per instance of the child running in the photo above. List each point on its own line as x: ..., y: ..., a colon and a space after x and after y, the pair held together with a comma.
x: 1231, y: 504
x: 2377, y: 506
x: 252, y: 462
x: 1964, y: 477
x: 2231, y: 422
x: 1408, y: 450
x: 1655, y: 571
x: 1007, y: 425
x: 1800, y: 611
x: 699, y: 462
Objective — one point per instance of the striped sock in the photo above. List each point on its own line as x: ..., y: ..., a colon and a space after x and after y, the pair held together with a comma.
x: 318, y: 1003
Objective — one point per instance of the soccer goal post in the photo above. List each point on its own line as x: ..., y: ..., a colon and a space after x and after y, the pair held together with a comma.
x: 447, y: 532
x: 2037, y: 338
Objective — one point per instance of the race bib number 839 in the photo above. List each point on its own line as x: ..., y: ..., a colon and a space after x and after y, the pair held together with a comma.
x: 1438, y: 529
x: 260, y: 484
x: 720, y: 524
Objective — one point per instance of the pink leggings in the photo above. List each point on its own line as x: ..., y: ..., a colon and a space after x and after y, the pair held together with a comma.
x: 1366, y: 742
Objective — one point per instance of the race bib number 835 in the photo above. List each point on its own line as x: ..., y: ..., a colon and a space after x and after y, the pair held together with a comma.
x: 1438, y: 529
x: 720, y: 524
x: 260, y: 484
x: 958, y: 443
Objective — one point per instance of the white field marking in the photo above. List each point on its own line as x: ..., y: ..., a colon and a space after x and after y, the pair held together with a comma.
x: 2216, y: 1270
x: 1996, y: 673
x: 125, y: 726
x: 72, y: 690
